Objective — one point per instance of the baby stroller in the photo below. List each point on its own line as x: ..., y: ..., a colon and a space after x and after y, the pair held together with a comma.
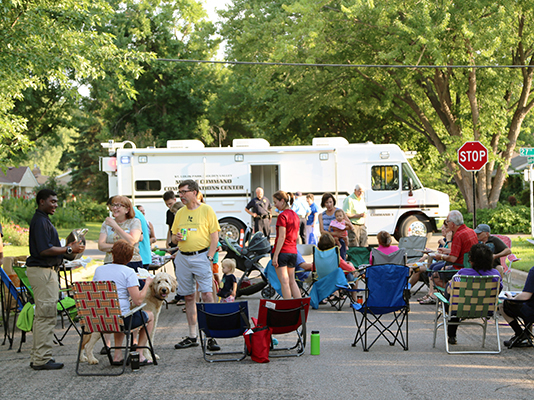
x: 247, y: 260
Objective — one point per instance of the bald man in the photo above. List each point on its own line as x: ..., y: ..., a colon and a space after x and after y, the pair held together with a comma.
x: 260, y: 209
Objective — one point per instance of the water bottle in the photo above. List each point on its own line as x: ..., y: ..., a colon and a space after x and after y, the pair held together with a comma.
x: 315, y: 343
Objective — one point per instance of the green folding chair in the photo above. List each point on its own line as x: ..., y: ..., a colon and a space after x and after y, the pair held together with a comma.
x: 66, y: 307
x: 471, y: 298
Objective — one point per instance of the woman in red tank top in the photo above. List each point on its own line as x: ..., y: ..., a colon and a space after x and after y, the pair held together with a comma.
x: 284, y: 257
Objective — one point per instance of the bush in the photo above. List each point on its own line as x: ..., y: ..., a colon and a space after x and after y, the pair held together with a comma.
x: 18, y: 210
x: 90, y: 210
x: 504, y: 219
x: 14, y: 234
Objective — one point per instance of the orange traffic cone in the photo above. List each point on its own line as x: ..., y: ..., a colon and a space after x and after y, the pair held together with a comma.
x: 241, y: 237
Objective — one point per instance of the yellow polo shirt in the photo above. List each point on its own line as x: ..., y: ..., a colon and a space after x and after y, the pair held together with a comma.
x: 200, y: 224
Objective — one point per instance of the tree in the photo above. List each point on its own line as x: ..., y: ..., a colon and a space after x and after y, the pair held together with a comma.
x: 444, y: 106
x: 53, y: 43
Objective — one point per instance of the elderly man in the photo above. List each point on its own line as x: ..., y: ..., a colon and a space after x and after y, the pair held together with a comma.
x: 259, y: 208
x: 497, y: 246
x: 196, y: 230
x: 462, y: 240
x: 354, y: 207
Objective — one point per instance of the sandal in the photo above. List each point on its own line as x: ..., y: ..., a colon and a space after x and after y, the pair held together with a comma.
x: 429, y: 300
x: 426, y: 296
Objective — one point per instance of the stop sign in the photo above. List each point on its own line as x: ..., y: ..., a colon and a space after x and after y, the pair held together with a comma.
x: 472, y: 156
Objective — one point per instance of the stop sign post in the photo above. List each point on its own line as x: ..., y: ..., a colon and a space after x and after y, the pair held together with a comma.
x: 472, y: 156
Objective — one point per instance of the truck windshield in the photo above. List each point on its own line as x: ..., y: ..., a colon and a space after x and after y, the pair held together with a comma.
x: 407, y: 174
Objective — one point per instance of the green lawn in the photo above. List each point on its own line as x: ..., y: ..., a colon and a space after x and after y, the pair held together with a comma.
x: 92, y: 234
x: 523, y: 250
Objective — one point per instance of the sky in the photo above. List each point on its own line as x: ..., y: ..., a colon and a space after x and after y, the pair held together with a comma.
x: 211, y: 6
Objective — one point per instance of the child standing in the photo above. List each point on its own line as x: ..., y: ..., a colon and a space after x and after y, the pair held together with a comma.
x: 228, y: 291
x: 339, y: 228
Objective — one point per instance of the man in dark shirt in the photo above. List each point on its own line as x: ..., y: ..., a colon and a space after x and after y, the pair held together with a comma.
x: 260, y: 209
x: 520, y: 306
x: 46, y: 255
x: 497, y: 246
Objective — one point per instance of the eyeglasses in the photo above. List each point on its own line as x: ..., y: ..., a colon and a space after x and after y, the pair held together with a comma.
x: 182, y: 192
x: 117, y: 205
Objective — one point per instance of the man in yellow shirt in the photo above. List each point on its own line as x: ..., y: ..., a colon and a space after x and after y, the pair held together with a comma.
x: 196, y: 230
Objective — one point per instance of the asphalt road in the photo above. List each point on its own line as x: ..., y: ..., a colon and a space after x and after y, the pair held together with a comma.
x: 385, y: 372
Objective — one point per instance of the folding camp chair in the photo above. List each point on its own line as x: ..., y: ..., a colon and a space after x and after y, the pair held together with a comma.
x: 471, y: 297
x: 285, y: 316
x: 99, y: 311
x: 12, y: 302
x: 506, y: 262
x: 386, y: 292
x: 412, y: 244
x: 329, y: 276
x: 66, y: 307
x: 274, y: 289
x: 358, y: 255
x: 222, y: 321
x: 397, y: 257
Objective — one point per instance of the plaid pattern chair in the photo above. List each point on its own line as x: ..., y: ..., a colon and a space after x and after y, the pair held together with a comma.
x: 99, y: 311
x: 472, y: 298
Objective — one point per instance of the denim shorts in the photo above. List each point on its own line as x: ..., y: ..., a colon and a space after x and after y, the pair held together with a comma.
x: 136, y: 319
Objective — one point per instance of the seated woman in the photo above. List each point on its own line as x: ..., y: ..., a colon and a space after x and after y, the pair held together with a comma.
x: 433, y: 266
x: 127, y: 284
x: 384, y: 244
x: 481, y: 259
x: 520, y: 306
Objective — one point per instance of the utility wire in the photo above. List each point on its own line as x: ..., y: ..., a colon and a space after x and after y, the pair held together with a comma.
x: 176, y: 60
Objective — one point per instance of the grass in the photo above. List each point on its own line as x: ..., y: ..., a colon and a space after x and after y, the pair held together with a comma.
x: 523, y: 250
x: 92, y: 234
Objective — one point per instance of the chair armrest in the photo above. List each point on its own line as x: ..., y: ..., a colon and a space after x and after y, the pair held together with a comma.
x: 441, y: 297
x: 133, y: 311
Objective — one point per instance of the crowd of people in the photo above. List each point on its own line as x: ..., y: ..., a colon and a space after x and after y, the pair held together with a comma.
x: 193, y: 240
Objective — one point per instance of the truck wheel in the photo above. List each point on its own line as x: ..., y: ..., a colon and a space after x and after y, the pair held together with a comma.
x: 231, y: 227
x: 414, y: 225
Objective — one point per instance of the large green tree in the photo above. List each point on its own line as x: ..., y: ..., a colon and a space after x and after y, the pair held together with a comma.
x: 443, y: 106
x: 46, y: 47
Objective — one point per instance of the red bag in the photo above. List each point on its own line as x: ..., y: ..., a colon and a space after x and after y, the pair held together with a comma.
x: 258, y: 343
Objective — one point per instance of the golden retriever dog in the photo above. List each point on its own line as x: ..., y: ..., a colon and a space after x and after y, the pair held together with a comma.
x: 160, y: 288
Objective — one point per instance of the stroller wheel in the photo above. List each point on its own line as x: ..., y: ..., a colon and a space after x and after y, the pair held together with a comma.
x: 268, y: 292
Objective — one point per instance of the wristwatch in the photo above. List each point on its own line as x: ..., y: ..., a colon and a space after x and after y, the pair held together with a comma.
x: 210, y: 258
x: 69, y: 250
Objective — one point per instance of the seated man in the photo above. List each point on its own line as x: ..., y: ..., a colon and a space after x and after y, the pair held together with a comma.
x: 520, y: 306
x: 127, y: 284
x: 496, y: 245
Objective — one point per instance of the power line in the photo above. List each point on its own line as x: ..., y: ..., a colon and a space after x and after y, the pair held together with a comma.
x: 339, y: 65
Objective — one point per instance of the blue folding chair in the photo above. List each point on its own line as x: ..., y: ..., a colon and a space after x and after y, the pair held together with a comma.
x: 222, y: 321
x: 329, y: 277
x: 386, y: 292
x: 12, y: 301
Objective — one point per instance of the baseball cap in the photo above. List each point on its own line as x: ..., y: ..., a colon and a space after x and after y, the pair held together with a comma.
x: 482, y: 228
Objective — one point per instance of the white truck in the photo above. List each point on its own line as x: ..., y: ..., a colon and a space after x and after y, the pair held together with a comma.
x: 396, y: 200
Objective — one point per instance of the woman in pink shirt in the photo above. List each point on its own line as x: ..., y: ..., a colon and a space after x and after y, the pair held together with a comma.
x: 384, y: 244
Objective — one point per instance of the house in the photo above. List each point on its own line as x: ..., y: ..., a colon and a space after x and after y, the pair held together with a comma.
x: 17, y: 182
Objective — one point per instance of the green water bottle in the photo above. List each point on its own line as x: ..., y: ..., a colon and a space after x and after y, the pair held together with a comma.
x: 315, y: 343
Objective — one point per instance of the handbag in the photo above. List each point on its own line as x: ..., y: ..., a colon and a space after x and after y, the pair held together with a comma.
x: 258, y: 341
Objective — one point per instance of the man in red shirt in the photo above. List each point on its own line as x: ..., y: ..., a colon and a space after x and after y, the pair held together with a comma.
x: 462, y: 240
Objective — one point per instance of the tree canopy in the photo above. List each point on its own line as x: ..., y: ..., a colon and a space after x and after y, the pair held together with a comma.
x: 443, y: 106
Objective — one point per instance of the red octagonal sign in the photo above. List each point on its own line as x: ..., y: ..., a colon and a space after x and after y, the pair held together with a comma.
x: 472, y: 156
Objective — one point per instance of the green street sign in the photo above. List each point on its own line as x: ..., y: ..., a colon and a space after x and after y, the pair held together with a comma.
x: 530, y: 159
x: 526, y: 151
